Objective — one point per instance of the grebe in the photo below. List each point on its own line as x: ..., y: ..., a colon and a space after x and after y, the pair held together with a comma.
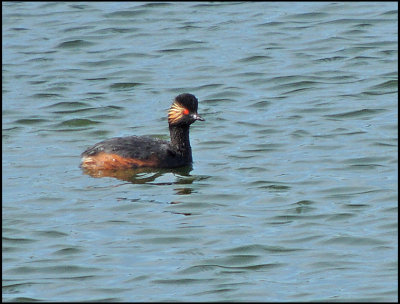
x: 141, y: 151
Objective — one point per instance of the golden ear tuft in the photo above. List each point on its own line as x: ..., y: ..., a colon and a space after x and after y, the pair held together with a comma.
x: 175, y: 113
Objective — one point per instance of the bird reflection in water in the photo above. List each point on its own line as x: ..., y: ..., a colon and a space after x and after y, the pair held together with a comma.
x: 150, y: 175
x: 145, y: 175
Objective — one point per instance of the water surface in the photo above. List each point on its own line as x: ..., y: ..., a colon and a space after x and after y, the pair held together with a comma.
x: 293, y: 192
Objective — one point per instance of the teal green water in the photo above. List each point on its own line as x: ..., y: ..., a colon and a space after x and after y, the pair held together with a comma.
x: 293, y: 191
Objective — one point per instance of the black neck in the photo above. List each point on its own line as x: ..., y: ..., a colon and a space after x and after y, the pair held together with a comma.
x: 180, y: 140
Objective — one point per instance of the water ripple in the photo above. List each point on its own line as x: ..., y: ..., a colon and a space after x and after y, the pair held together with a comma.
x: 293, y: 191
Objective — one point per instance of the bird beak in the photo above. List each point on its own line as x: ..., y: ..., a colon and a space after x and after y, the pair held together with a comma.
x: 198, y: 117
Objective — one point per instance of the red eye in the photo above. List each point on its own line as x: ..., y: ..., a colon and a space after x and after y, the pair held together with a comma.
x: 185, y: 111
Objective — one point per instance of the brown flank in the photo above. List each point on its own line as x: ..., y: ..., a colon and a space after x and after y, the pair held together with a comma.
x: 105, y: 161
